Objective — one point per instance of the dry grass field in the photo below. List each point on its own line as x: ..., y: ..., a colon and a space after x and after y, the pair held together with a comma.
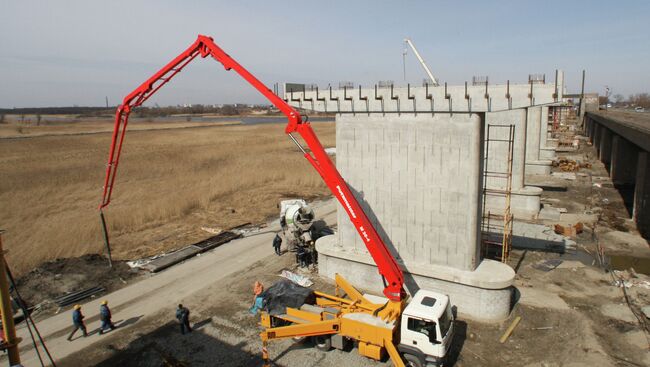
x: 170, y: 183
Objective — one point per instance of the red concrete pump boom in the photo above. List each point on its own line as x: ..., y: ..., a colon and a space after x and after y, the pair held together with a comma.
x: 205, y: 46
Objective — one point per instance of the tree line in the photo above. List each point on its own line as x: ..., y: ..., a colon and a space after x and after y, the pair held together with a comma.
x: 227, y: 109
x: 639, y: 99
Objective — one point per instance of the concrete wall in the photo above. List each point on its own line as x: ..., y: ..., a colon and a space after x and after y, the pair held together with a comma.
x: 419, y: 180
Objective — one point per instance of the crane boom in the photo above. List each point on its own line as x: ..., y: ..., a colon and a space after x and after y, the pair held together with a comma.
x: 421, y: 60
x: 204, y: 46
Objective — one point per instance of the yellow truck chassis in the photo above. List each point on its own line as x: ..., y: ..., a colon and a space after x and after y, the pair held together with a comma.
x: 374, y: 326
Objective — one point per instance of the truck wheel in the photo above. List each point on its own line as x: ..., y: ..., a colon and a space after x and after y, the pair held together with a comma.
x: 412, y: 361
x: 323, y: 342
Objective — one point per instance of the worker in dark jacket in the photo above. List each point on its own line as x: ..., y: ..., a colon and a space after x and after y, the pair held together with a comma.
x: 78, y: 322
x: 183, y: 316
x: 105, y: 317
x: 277, y: 242
x: 301, y: 256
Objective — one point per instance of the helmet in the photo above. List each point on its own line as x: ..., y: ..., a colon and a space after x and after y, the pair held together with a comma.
x: 104, y: 302
x: 77, y: 307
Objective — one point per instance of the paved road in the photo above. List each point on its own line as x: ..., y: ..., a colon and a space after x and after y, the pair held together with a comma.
x: 636, y: 120
x: 161, y: 291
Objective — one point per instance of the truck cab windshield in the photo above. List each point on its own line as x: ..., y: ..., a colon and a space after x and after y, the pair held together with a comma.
x: 425, y: 327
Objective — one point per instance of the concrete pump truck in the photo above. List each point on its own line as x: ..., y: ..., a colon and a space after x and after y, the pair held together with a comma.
x: 415, y: 332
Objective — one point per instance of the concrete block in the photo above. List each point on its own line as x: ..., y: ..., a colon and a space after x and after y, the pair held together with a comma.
x: 549, y: 213
x: 539, y: 237
x: 538, y: 167
x: 547, y: 153
x: 524, y: 202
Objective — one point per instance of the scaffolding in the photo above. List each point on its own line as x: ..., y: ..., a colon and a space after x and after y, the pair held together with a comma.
x: 496, y: 228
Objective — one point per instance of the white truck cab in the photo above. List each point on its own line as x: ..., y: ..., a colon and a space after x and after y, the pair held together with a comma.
x: 426, y: 329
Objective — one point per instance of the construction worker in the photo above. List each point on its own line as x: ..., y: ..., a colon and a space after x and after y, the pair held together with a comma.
x: 277, y: 242
x: 105, y: 317
x: 183, y: 316
x: 258, y: 289
x: 283, y: 223
x: 78, y: 322
x: 301, y: 256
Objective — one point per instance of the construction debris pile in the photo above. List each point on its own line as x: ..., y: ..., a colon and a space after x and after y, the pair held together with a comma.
x: 570, y: 165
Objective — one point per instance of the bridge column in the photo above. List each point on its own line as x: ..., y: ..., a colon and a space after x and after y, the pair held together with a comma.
x: 596, y: 139
x: 535, y: 165
x: 605, y: 151
x: 641, y: 211
x: 623, y: 162
x: 590, y: 128
x: 547, y: 145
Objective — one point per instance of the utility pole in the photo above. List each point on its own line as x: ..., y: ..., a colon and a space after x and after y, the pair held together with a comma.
x: 581, y: 107
x: 8, y: 326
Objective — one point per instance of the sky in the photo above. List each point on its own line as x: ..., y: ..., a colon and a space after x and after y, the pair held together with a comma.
x: 65, y: 53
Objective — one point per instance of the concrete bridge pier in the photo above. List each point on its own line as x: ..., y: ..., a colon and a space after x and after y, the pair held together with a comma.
x: 524, y: 200
x: 590, y: 128
x: 605, y: 146
x: 535, y: 165
x: 419, y: 178
x: 623, y: 162
x: 548, y: 145
x: 641, y: 210
x: 596, y: 139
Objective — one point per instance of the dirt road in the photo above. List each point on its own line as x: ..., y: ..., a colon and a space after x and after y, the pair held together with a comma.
x: 157, y: 296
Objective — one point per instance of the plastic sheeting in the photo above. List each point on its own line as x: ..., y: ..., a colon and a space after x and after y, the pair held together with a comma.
x: 285, y: 294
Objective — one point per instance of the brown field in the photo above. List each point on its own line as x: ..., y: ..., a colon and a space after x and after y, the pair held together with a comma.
x: 170, y: 183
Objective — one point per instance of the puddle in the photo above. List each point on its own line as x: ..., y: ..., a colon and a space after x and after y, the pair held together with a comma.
x: 624, y: 262
x: 616, y: 262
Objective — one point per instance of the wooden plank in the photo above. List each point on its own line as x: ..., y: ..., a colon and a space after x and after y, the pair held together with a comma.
x: 510, y: 329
